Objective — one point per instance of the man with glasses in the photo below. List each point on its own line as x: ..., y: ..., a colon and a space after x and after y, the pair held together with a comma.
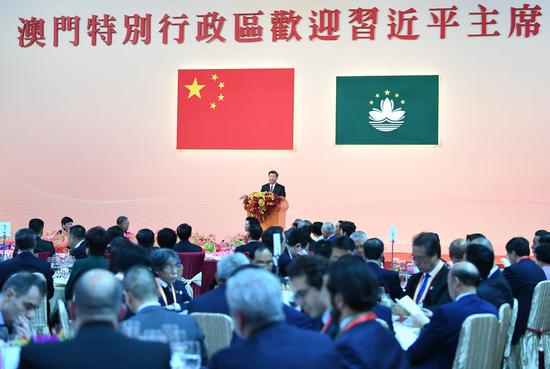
x: 173, y: 295
x: 263, y: 258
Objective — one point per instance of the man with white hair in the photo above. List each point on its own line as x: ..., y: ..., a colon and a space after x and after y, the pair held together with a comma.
x: 327, y: 232
x: 359, y: 238
x: 254, y: 298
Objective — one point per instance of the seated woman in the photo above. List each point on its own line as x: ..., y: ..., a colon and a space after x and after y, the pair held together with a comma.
x: 173, y: 295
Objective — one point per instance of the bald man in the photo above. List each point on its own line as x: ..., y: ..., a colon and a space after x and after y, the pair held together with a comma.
x: 436, y: 346
x: 457, y: 248
x: 97, y: 300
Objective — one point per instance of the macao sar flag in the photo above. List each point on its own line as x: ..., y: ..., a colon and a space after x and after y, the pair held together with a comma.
x: 235, y: 109
x: 387, y: 110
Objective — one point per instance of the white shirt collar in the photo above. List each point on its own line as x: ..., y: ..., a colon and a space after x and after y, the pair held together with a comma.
x: 440, y: 264
x: 325, y: 317
x: 346, y: 321
x: 78, y: 244
x: 162, y: 283
x: 146, y: 305
x: 464, y: 294
x: 492, y: 271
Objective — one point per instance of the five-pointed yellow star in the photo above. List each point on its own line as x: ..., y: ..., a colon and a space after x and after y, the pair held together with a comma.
x: 396, y: 95
x: 213, y: 105
x: 194, y: 89
x: 402, y: 102
x: 377, y: 95
x: 221, y: 85
x: 387, y: 92
x: 371, y: 102
x: 214, y: 77
x: 221, y: 97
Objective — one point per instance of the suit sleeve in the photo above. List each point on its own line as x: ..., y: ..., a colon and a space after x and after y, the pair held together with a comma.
x: 510, y: 277
x: 51, y: 249
x: 49, y: 282
x: 283, y: 191
x: 430, y: 338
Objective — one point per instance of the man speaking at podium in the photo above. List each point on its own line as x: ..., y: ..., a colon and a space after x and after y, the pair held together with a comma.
x: 273, y: 186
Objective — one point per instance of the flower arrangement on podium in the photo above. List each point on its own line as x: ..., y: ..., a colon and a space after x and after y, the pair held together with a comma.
x: 260, y: 204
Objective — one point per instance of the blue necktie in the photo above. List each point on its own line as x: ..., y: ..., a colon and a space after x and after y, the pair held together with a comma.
x: 422, y: 288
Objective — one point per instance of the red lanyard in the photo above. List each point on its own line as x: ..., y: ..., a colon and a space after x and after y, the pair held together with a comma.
x: 328, y: 323
x: 360, y: 319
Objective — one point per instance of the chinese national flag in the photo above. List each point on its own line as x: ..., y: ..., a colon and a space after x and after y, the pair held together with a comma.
x: 235, y: 109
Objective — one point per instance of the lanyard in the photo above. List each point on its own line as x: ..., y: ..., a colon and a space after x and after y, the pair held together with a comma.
x: 356, y: 321
x: 163, y: 295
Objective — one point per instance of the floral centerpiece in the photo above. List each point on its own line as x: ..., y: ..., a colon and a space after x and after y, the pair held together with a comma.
x: 210, y: 244
x: 260, y: 204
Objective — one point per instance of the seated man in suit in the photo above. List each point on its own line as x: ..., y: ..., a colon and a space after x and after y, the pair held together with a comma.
x: 342, y: 246
x: 388, y: 279
x: 140, y: 293
x: 542, y: 254
x: 493, y: 287
x: 307, y: 274
x: 359, y: 238
x: 327, y: 232
x: 97, y: 343
x: 457, y: 249
x: 25, y: 261
x: 294, y: 244
x: 172, y: 292
x: 435, y: 348
x: 20, y: 296
x: 37, y: 225
x: 184, y: 232
x: 354, y: 291
x: 263, y: 258
x: 146, y: 239
x: 255, y: 232
x: 96, y: 240
x: 254, y: 298
x: 167, y: 238
x: 273, y: 186
x: 75, y: 241
x: 428, y: 288
x: 522, y: 276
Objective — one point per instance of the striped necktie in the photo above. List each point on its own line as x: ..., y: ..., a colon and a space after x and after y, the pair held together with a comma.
x: 422, y: 288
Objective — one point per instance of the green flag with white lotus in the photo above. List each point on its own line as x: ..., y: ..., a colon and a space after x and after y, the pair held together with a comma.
x: 387, y: 110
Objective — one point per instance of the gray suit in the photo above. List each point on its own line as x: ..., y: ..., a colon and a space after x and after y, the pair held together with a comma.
x: 154, y: 317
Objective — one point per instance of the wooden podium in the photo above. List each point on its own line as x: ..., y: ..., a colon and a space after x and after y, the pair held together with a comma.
x: 277, y: 216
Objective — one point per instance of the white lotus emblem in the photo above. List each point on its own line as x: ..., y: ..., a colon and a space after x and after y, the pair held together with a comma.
x: 386, y: 119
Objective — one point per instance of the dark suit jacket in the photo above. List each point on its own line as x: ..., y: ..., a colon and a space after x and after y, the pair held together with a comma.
x: 41, y: 246
x: 153, y: 317
x: 97, y: 345
x: 214, y: 301
x: 80, y: 251
x: 355, y: 353
x: 437, y: 295
x: 186, y: 246
x: 27, y: 262
x: 182, y: 297
x: 435, y: 348
x: 284, y: 261
x: 496, y: 290
x: 389, y: 280
x: 522, y: 277
x: 277, y: 346
x: 249, y: 247
x: 278, y: 190
x: 80, y: 267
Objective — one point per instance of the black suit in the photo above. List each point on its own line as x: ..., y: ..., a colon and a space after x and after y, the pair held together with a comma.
x: 250, y: 247
x: 496, y: 290
x: 388, y: 279
x: 284, y: 260
x: 97, y: 345
x: 27, y: 262
x: 438, y: 293
x: 186, y: 246
x: 278, y: 190
x: 523, y: 276
x: 80, y: 251
x: 41, y: 246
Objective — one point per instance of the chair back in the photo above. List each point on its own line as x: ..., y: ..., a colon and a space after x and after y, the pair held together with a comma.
x: 192, y: 263
x: 217, y: 329
x: 478, y: 336
x: 508, y: 344
x: 64, y: 319
x: 539, y: 317
x: 40, y: 319
x: 43, y: 255
x: 504, y: 320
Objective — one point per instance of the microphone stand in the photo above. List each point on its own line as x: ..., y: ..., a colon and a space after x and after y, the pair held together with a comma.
x: 392, y: 243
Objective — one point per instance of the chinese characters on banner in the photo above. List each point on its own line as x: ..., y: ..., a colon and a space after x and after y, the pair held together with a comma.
x: 284, y: 25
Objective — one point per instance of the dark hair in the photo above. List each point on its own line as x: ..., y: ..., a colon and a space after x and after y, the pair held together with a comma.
x: 430, y: 241
x: 66, y: 220
x: 184, y: 231
x: 473, y: 236
x: 544, y: 238
x: 273, y: 172
x: 542, y: 252
x: 353, y: 279
x: 252, y: 220
x: 78, y: 232
x: 255, y: 231
x: 145, y: 237
x: 482, y: 257
x: 121, y: 219
x: 467, y: 276
x: 114, y: 232
x: 22, y: 282
x: 344, y: 243
x: 374, y: 247
x: 167, y: 238
x: 126, y: 255
x: 316, y: 228
x: 25, y: 239
x: 347, y: 227
x: 267, y: 236
x: 261, y: 248
x: 519, y: 245
x: 37, y: 225
x: 541, y: 232
x: 295, y: 236
x: 312, y: 267
x: 96, y: 240
x: 323, y: 248
x: 159, y: 259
